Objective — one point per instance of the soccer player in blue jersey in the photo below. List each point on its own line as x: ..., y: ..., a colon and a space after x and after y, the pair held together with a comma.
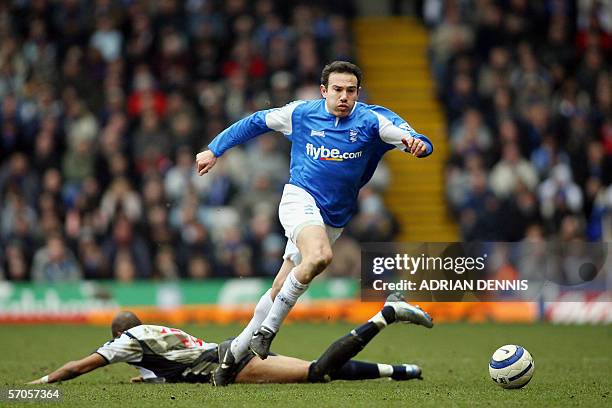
x: 337, y: 143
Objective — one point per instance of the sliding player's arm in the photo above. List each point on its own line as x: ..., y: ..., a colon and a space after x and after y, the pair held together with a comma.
x: 73, y: 369
x: 122, y: 349
x: 258, y: 123
x: 396, y: 131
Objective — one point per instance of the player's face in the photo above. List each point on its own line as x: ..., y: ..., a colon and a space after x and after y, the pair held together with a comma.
x: 341, y: 93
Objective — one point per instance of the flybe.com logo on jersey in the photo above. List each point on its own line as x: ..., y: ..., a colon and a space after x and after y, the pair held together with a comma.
x: 323, y: 153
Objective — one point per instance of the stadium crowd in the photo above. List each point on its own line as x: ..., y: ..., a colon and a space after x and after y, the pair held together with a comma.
x: 527, y: 88
x: 104, y: 105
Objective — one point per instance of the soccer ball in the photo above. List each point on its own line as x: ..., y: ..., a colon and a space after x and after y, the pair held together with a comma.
x: 511, y: 366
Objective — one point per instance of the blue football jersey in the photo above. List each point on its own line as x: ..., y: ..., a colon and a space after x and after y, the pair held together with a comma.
x: 331, y: 157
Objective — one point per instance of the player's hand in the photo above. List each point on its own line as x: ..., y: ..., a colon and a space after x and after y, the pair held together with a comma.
x: 138, y: 379
x: 205, y: 161
x: 415, y: 146
x: 34, y: 382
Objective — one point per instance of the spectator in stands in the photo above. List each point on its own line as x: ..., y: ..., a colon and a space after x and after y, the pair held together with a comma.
x: 479, y: 213
x: 449, y: 38
x: 15, y: 264
x: 511, y: 170
x: 55, y: 262
x: 165, y: 266
x: 178, y: 177
x: 151, y: 144
x: 93, y: 261
x: 103, y: 106
x: 559, y: 195
x: 545, y: 94
x: 121, y: 198
x: 127, y: 246
x: 470, y: 135
x: 198, y: 267
x: 17, y: 176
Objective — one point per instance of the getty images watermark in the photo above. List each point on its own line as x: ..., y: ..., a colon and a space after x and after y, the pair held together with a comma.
x: 405, y: 263
x: 484, y: 271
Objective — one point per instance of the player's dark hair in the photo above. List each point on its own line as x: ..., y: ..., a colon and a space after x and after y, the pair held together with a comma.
x: 340, y: 67
x: 124, y: 321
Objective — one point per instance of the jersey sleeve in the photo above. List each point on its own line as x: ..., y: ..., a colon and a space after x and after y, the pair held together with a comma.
x: 392, y: 129
x: 121, y: 350
x: 258, y: 123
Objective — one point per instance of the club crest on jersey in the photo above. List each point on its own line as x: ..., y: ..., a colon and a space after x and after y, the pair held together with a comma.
x: 319, y: 133
x: 353, y: 135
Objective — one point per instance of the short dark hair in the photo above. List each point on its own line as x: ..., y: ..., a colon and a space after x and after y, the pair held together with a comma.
x: 340, y: 67
x: 124, y: 321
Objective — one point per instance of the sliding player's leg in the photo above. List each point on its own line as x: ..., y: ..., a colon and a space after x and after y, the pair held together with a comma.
x: 275, y: 369
x: 315, y: 250
x: 336, y: 363
x: 360, y: 370
x: 331, y: 362
x: 286, y: 370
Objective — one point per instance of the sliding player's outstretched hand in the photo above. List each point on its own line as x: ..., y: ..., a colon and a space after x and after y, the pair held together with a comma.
x: 205, y: 161
x: 415, y: 146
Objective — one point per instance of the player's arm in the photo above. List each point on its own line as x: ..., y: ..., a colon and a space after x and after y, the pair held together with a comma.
x: 256, y: 124
x: 394, y: 130
x: 73, y: 369
x: 406, y: 139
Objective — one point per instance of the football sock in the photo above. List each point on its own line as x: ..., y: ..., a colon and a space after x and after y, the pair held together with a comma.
x: 240, y: 344
x: 400, y: 373
x: 347, y: 347
x: 290, y: 292
x: 385, y: 370
x: 384, y: 317
x: 358, y: 370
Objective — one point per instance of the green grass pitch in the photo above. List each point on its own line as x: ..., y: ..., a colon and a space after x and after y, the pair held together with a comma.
x: 573, y: 368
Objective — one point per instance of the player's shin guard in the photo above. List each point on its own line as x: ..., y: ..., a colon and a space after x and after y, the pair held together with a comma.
x: 340, y: 352
x: 240, y: 344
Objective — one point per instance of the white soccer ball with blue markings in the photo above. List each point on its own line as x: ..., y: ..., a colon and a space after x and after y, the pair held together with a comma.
x: 511, y: 366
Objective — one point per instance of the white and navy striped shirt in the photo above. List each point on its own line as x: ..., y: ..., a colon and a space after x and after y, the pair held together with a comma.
x: 162, y: 352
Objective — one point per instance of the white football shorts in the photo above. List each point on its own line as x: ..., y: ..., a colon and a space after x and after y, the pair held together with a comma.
x: 298, y: 209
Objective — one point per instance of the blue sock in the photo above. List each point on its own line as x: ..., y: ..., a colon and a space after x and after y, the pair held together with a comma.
x: 356, y: 370
x: 400, y: 373
x: 341, y: 351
